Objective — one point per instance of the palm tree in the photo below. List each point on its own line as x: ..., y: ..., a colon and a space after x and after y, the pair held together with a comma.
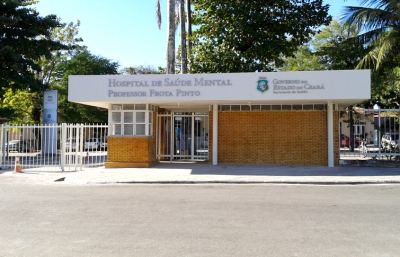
x: 174, y: 17
x: 171, y: 34
x: 183, y: 37
x: 189, y: 22
x: 380, y: 19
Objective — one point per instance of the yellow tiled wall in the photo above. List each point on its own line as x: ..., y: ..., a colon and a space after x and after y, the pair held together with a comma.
x: 279, y: 138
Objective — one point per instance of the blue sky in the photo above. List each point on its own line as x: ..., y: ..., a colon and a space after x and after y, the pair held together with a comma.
x: 125, y: 30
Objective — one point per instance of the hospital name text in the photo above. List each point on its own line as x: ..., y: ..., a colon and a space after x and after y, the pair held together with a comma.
x: 169, y: 83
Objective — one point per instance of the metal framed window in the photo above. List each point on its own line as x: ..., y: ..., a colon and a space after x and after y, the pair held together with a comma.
x: 132, y: 119
x: 275, y: 107
x: 359, y: 129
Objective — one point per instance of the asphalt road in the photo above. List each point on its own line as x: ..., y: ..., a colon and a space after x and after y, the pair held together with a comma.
x: 199, y: 220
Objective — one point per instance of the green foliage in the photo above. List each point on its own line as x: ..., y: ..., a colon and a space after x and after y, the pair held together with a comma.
x: 304, y: 60
x: 24, y: 38
x: 335, y: 50
x: 66, y: 34
x: 385, y: 88
x: 380, y: 19
x: 246, y: 36
x: 141, y: 70
x: 17, y: 106
x: 81, y: 63
x: 328, y: 50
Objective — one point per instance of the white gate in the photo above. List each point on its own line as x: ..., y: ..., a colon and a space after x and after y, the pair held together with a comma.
x: 58, y: 146
x: 182, y: 136
x: 369, y: 134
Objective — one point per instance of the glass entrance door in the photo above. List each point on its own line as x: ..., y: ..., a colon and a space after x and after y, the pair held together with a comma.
x: 183, y: 136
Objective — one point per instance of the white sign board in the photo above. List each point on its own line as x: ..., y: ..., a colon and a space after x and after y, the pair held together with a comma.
x: 262, y: 86
x: 50, y: 105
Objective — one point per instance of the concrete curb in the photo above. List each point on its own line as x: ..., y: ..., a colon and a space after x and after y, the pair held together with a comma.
x: 265, y: 182
x: 205, y: 174
x: 190, y: 182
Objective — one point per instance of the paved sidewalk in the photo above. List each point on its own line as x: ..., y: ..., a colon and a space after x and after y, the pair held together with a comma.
x: 191, y: 173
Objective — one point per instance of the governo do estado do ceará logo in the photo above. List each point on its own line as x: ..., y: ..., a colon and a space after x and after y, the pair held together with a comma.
x: 262, y: 84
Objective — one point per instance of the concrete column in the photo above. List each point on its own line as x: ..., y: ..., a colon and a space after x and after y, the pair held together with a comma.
x: 331, y: 162
x: 215, y: 135
x: 110, y: 122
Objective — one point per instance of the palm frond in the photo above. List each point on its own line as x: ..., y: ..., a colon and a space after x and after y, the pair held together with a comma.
x: 366, y: 39
x: 369, y: 60
x: 367, y: 18
x: 387, y: 43
x: 381, y: 4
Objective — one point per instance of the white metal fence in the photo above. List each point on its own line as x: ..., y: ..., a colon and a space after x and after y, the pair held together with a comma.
x: 364, y: 134
x: 58, y: 146
x: 369, y: 134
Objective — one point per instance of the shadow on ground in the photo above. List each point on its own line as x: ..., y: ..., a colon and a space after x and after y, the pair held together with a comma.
x: 202, y: 168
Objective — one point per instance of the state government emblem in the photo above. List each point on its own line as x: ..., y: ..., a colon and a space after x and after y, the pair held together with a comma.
x: 262, y: 84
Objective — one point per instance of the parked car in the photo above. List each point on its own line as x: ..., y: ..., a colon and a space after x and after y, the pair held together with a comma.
x: 71, y: 143
x: 20, y: 146
x: 104, y: 145
x: 390, y: 142
x: 93, y: 144
x: 13, y: 146
x: 345, y: 141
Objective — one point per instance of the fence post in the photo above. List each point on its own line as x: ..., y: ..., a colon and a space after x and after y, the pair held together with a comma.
x: 81, y: 144
x: 379, y: 133
x: 2, y: 144
x: 63, y: 142
x: 77, y: 144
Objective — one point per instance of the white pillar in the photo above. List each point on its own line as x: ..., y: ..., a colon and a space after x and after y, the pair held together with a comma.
x: 110, y: 130
x: 63, y: 140
x: 192, y: 149
x: 330, y: 136
x: 3, y: 140
x: 215, y: 135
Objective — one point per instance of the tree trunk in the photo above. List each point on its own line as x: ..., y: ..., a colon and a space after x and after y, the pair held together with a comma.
x: 189, y: 30
x: 171, y: 38
x: 184, y: 68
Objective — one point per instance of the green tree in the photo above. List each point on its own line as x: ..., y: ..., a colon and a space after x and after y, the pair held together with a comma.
x: 25, y: 105
x: 304, y: 59
x: 247, y: 36
x: 380, y: 19
x: 17, y: 106
x: 81, y: 63
x: 171, y: 33
x: 142, y: 70
x: 328, y: 50
x: 179, y: 16
x: 25, y: 37
x: 385, y: 88
x: 336, y: 52
x: 66, y: 35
